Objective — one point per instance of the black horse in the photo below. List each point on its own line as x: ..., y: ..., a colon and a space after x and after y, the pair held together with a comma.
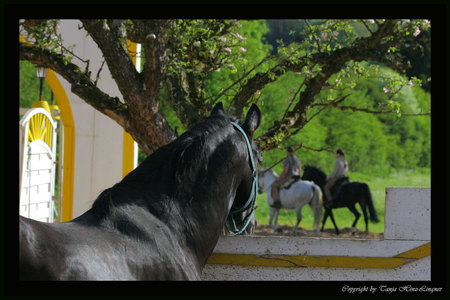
x: 163, y: 220
x: 348, y: 195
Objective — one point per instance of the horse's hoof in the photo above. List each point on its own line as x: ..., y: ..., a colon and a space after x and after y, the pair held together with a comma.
x: 279, y: 230
x: 353, y: 230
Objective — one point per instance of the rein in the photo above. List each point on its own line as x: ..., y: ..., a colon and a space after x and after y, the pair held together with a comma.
x: 252, y: 198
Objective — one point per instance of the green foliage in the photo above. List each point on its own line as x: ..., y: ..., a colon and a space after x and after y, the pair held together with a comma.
x: 246, y: 48
x: 374, y: 143
x: 250, y: 52
x: 205, y: 45
x: 29, y: 85
x: 360, y: 134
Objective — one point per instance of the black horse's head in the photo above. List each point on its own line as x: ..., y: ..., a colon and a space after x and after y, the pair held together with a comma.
x: 315, y: 175
x: 241, y: 218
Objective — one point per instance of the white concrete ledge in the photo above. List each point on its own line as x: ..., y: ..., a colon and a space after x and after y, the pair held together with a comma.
x: 403, y: 254
x: 414, y: 271
x: 264, y: 245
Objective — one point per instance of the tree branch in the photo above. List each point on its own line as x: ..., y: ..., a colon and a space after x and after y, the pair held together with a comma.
x: 141, y: 92
x: 178, y: 98
x: 335, y: 102
x: 156, y: 59
x: 363, y: 49
x: 297, y: 147
x: 112, y: 42
x: 353, y: 108
x: 259, y: 80
x: 236, y: 108
x: 81, y: 83
x: 367, y: 26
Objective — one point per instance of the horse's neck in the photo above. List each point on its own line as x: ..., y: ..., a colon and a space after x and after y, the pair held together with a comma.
x: 205, y: 219
x: 320, y: 178
x: 270, y: 179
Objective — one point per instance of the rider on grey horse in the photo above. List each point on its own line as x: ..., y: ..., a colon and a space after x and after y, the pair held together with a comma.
x: 292, y: 167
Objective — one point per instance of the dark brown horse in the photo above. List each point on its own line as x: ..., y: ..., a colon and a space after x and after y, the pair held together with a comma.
x: 348, y: 194
x: 163, y: 220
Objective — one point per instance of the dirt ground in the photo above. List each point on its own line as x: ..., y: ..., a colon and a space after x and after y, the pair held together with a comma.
x: 265, y: 230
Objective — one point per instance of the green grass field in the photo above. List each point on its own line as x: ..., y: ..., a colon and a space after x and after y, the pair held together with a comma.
x: 344, y: 218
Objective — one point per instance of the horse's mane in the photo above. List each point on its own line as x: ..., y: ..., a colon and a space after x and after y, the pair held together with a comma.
x: 317, y: 172
x: 315, y: 169
x: 170, y: 172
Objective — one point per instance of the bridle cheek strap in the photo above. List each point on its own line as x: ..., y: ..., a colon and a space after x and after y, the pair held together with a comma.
x: 251, y: 199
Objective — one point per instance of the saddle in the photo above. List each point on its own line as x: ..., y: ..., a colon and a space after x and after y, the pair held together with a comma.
x: 335, y: 190
x: 288, y: 184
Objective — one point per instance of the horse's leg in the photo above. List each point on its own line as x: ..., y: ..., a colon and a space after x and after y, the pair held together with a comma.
x: 352, y: 208
x: 334, y: 222
x: 317, y: 222
x: 363, y: 206
x: 299, y: 218
x: 317, y: 210
x: 327, y: 213
x: 272, y: 213
x: 277, y: 213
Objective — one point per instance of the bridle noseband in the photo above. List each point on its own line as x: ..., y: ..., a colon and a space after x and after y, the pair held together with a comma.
x: 252, y: 198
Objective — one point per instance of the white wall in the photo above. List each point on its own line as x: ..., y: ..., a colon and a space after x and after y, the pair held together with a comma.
x: 98, y: 139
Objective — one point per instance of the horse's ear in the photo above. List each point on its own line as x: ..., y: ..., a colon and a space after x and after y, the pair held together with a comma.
x: 252, y: 120
x: 218, y: 109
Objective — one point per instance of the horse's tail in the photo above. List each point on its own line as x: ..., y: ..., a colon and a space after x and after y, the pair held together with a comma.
x: 316, y: 205
x: 369, y: 201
